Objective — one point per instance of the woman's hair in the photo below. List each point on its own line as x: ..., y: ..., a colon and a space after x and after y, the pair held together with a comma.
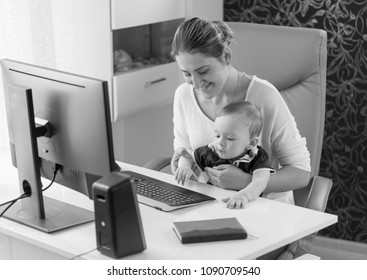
x: 196, y: 35
x: 252, y: 115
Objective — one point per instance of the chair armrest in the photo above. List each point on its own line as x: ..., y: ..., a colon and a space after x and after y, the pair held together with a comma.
x: 158, y: 163
x: 319, y: 193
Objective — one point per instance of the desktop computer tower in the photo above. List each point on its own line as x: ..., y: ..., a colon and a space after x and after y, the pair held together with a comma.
x: 119, y: 230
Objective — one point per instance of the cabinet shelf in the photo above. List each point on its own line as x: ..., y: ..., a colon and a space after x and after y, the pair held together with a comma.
x: 143, y: 46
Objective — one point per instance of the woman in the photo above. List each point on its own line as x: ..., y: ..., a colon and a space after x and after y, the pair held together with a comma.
x: 201, y: 50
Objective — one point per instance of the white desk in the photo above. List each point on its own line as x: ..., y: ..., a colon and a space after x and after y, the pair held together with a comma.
x: 270, y: 224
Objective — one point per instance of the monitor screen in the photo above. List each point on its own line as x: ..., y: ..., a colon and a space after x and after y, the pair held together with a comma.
x: 75, y: 136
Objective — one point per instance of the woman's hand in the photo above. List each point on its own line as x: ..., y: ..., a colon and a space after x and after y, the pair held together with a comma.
x: 227, y: 176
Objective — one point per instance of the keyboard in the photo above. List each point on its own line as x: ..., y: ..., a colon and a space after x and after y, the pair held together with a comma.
x: 164, y: 196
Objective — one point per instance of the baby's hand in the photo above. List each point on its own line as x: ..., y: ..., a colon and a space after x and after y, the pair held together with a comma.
x: 236, y: 201
x: 183, y: 174
x: 184, y: 153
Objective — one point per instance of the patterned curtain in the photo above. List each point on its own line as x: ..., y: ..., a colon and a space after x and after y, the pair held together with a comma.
x: 344, y: 155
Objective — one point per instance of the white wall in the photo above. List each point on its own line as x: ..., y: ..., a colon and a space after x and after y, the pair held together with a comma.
x: 54, y: 34
x: 15, y: 42
x: 26, y: 34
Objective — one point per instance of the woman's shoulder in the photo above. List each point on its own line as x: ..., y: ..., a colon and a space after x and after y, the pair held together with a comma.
x: 183, y: 89
x: 257, y: 84
x: 261, y: 91
x: 184, y: 97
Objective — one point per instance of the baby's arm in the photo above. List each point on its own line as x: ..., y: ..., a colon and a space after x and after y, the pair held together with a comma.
x: 253, y: 190
x: 184, y: 171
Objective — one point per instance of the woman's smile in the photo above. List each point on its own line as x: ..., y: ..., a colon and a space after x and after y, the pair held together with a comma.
x: 205, y: 87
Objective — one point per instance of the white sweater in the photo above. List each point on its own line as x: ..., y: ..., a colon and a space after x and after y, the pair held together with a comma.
x: 280, y: 137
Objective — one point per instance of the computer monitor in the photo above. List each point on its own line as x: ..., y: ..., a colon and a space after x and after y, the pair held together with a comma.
x: 56, y: 120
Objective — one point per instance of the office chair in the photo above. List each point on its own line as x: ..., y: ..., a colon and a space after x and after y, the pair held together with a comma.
x: 293, y: 59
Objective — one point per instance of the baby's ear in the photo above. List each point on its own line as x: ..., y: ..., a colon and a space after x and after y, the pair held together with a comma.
x: 253, y: 143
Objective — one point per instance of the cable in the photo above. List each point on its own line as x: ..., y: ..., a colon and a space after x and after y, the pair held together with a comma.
x: 57, y: 167
x: 26, y: 194
x: 6, y: 208
x: 82, y: 254
x: 12, y: 202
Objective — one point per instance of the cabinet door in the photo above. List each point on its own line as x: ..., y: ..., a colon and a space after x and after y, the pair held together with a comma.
x: 139, y: 12
x: 140, y: 90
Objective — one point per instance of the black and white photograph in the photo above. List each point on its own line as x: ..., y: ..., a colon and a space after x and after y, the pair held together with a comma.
x: 172, y: 139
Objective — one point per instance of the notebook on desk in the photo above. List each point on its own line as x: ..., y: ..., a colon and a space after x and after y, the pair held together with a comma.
x: 165, y: 196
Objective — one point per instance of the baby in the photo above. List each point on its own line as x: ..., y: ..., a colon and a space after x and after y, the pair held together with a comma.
x: 236, y: 129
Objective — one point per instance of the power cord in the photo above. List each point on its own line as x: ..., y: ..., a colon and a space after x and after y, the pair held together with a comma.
x: 57, y: 168
x: 12, y: 202
x: 15, y: 199
x: 87, y: 252
x: 28, y: 193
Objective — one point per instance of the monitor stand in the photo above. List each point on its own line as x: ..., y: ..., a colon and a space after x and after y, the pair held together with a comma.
x: 59, y: 215
x: 36, y: 211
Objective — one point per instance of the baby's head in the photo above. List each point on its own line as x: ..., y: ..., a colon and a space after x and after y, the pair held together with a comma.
x: 237, y: 128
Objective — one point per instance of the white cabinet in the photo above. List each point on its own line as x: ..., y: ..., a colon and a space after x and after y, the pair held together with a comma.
x: 144, y: 89
x: 139, y: 12
x: 145, y: 75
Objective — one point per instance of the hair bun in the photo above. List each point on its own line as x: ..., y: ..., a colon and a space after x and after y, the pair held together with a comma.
x: 225, y: 30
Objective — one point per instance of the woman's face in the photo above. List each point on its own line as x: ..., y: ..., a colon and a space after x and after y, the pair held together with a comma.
x: 207, y: 74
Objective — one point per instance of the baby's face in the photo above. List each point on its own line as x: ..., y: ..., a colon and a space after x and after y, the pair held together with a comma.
x: 232, y: 136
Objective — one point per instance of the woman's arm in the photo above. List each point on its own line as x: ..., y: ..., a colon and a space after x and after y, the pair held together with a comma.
x: 287, y: 178
x: 228, y: 176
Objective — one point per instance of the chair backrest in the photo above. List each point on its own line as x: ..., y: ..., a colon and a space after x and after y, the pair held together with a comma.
x: 293, y: 59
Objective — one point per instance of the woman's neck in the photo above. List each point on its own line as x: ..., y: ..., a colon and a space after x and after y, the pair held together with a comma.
x: 230, y: 89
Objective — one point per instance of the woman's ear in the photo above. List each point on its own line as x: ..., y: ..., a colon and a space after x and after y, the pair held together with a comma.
x: 227, y: 55
x: 253, y: 143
